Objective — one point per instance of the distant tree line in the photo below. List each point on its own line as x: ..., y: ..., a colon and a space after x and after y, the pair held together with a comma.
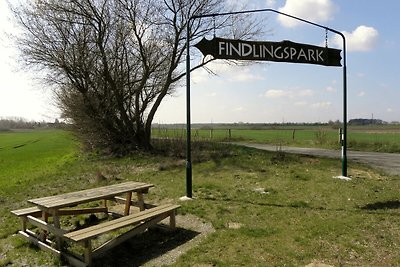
x: 367, y: 122
x: 21, y: 123
x: 261, y: 126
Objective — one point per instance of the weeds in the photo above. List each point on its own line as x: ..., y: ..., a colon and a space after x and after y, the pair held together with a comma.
x: 321, y: 136
x: 200, y: 150
x: 279, y: 156
x: 285, y: 209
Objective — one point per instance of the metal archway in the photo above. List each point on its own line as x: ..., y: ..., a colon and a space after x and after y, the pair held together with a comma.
x: 188, y: 117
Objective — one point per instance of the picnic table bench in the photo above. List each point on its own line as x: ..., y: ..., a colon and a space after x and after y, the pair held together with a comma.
x: 60, y: 205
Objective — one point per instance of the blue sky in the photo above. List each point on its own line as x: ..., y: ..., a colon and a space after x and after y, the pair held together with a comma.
x: 271, y: 92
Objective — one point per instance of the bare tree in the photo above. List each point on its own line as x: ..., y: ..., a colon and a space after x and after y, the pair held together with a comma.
x: 112, y: 62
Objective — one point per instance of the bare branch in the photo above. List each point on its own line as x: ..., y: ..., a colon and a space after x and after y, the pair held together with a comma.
x: 112, y: 62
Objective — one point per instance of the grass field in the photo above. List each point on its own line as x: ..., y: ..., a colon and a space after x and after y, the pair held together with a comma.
x: 385, y: 138
x: 31, y: 154
x: 287, y: 209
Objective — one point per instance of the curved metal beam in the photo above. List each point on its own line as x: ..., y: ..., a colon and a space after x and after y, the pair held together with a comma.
x: 188, y: 120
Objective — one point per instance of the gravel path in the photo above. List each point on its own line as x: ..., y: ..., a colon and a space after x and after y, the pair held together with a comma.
x: 389, y: 162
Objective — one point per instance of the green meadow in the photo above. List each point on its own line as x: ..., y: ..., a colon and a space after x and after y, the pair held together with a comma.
x: 385, y: 138
x: 31, y: 154
x: 267, y: 208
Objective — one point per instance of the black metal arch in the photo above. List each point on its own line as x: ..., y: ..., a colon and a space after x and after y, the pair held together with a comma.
x: 188, y: 119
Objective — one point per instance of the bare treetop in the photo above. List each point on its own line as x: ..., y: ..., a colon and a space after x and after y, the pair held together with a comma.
x: 113, y: 61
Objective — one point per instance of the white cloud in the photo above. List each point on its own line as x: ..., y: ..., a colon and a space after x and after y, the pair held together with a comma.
x: 363, y: 38
x: 307, y: 92
x: 239, y: 109
x: 212, y: 94
x: 276, y: 93
x: 330, y: 89
x: 271, y: 3
x: 232, y: 73
x: 321, y: 105
x: 313, y: 10
x: 361, y: 94
x: 300, y: 104
x: 200, y: 76
x: 245, y: 75
x: 389, y: 110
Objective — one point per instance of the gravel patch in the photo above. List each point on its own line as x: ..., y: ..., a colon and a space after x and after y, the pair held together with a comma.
x: 158, y: 246
x: 188, y: 222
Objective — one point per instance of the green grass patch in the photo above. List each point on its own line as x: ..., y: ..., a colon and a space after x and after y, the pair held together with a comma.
x: 363, y: 138
x: 288, y: 210
x: 26, y: 156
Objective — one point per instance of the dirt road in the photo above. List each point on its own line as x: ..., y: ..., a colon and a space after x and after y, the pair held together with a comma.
x: 389, y: 162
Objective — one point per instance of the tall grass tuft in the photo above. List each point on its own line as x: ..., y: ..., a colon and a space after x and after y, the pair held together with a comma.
x: 321, y: 136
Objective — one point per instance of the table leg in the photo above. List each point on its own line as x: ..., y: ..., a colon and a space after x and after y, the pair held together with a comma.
x: 128, y: 203
x: 88, y: 252
x: 56, y: 221
x: 172, y: 221
x: 105, y: 204
x: 45, y: 218
x: 140, y: 200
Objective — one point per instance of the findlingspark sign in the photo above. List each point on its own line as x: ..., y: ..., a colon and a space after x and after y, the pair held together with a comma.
x: 285, y: 51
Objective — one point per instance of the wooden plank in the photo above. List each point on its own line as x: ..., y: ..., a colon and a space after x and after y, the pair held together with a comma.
x: 78, y: 197
x: 39, y: 243
x: 56, y: 222
x: 122, y: 200
x: 140, y: 200
x: 128, y: 235
x: 46, y: 226
x: 88, y: 193
x: 83, y: 211
x: 88, y: 252
x: 45, y: 218
x: 172, y: 220
x: 105, y: 227
x: 133, y: 219
x: 72, y: 260
x: 128, y: 203
x: 31, y: 233
x: 33, y: 211
x: 24, y: 223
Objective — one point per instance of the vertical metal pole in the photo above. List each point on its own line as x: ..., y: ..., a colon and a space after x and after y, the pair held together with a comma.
x: 188, y: 123
x: 188, y: 145
x: 344, y: 143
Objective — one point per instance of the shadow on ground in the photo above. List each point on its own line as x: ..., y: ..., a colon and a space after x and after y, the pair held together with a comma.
x: 391, y: 204
x: 145, y: 247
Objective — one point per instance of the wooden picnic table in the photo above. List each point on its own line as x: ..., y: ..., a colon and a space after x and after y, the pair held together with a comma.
x: 53, y: 204
x: 64, y: 204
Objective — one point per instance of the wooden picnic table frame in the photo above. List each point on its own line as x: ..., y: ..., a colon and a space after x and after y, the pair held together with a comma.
x: 63, y: 204
x: 53, y: 205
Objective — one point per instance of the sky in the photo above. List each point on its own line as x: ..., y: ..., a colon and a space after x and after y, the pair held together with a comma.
x: 269, y: 92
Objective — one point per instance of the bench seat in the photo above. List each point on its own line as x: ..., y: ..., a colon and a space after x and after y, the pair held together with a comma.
x: 25, y: 212
x: 32, y: 211
x: 141, y: 221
